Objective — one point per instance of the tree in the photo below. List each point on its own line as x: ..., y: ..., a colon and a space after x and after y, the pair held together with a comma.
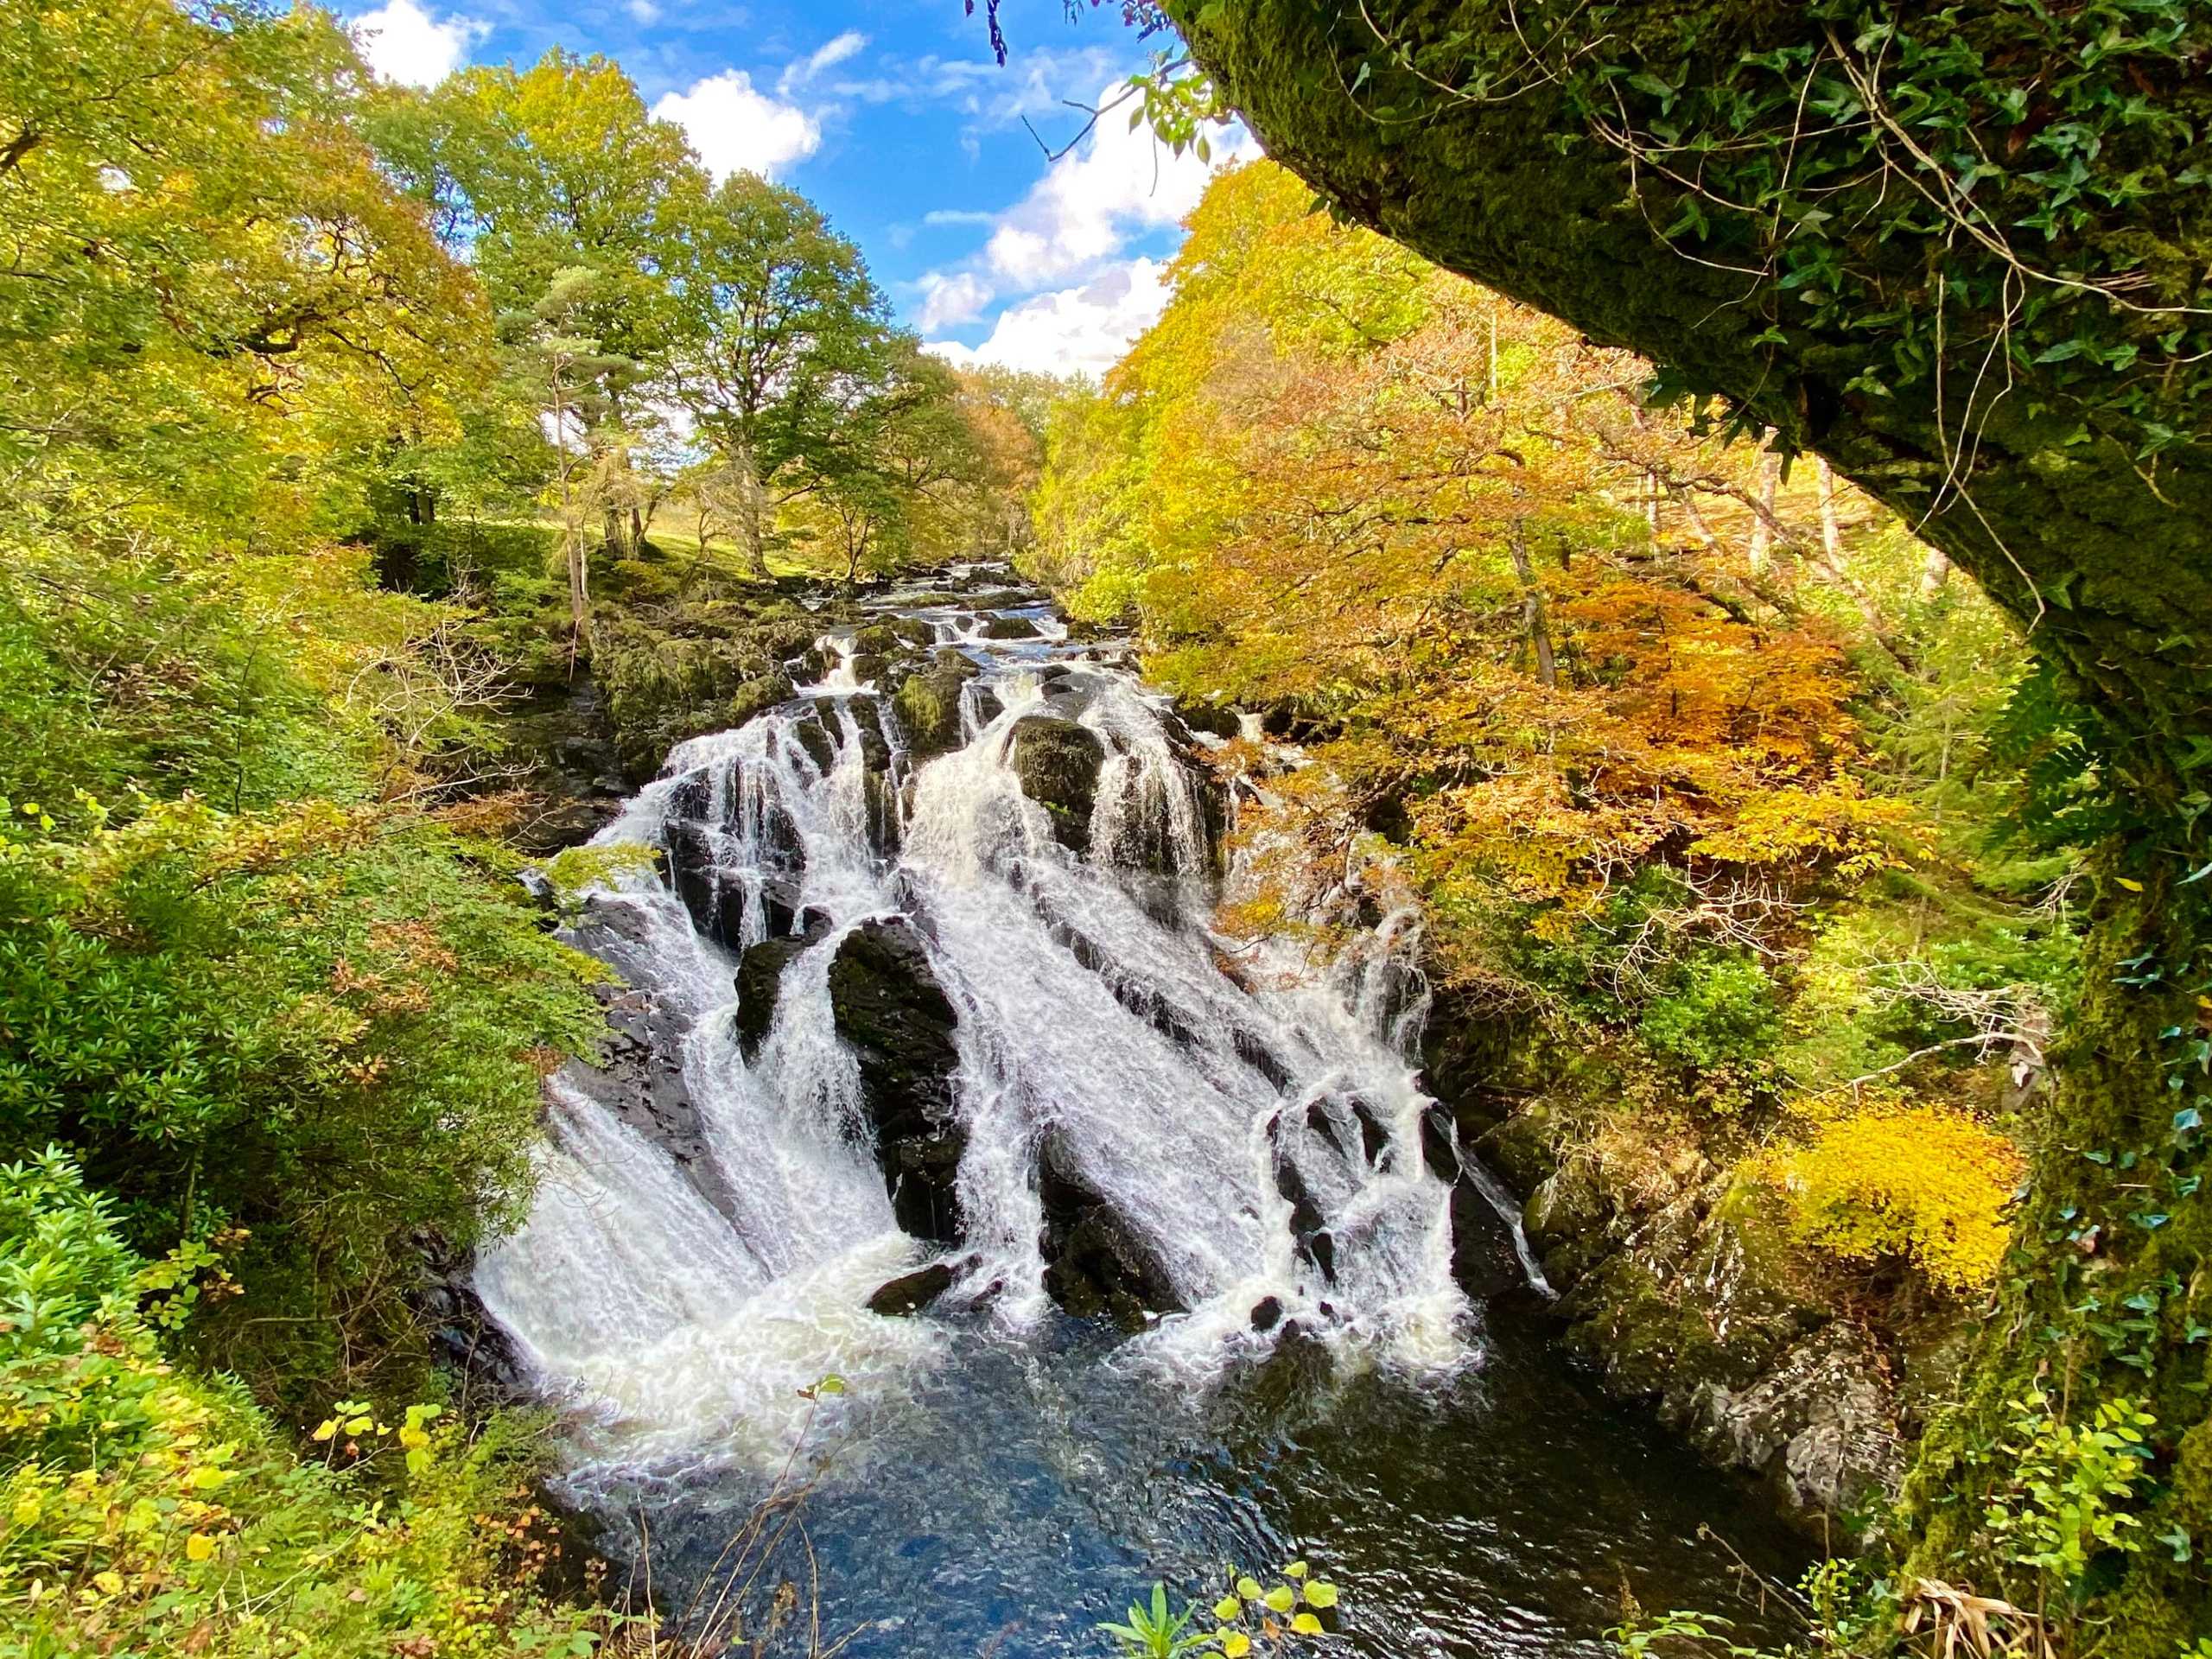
x: 783, y: 338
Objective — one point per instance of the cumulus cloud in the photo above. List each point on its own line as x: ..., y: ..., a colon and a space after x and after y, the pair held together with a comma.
x: 401, y: 41
x: 1117, y: 182
x: 948, y: 301
x: 644, y: 11
x: 734, y: 127
x: 834, y: 52
x: 1082, y: 329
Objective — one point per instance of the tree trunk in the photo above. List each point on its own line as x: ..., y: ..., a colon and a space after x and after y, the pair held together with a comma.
x: 1534, y: 619
x: 1831, y: 532
x: 751, y: 510
x: 1762, y: 546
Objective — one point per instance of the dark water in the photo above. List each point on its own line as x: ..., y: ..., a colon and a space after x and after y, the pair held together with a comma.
x: 1032, y: 1489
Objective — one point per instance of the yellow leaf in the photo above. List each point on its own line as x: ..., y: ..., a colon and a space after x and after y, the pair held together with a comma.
x: 1237, y: 1645
x: 326, y: 1428
x: 1305, y: 1625
x: 199, y: 1546
x: 108, y: 1583
x: 2132, y: 887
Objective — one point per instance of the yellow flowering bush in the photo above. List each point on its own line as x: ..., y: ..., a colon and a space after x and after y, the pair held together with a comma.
x: 1924, y: 1183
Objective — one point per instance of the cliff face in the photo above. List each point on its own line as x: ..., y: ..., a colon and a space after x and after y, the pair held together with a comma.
x: 1676, y: 1287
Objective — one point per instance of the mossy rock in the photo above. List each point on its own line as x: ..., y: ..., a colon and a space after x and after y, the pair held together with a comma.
x: 1056, y: 762
x: 928, y: 704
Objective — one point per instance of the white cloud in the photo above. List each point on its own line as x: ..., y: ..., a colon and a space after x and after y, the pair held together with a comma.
x: 959, y: 216
x: 835, y: 51
x: 948, y: 301
x: 401, y: 41
x: 1082, y: 329
x: 735, y: 128
x: 1117, y: 182
x: 644, y: 11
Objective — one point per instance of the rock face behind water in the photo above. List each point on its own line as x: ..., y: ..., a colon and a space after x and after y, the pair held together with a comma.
x: 899, y: 1022
x: 1095, y: 1262
x: 1058, y: 763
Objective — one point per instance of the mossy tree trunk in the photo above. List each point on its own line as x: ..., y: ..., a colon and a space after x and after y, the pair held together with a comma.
x: 2104, y: 557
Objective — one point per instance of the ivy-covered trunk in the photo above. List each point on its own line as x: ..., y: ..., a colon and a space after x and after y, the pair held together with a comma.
x: 2103, y: 1324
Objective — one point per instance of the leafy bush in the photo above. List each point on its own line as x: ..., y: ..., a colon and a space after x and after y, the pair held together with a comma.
x: 1927, y: 1185
x: 318, y: 1026
x: 1722, y: 1013
x: 147, y: 1512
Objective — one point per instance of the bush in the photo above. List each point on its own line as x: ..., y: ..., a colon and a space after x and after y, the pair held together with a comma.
x: 147, y: 1512
x: 318, y: 1026
x: 1923, y: 1184
x: 1723, y: 1014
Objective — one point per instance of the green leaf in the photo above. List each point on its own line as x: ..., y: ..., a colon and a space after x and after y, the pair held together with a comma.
x: 1228, y: 1608
x: 1305, y: 1625
x: 1249, y: 1589
x: 1320, y: 1593
x: 1281, y: 1599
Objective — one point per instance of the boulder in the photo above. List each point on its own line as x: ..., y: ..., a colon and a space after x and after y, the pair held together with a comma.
x: 1056, y: 763
x: 911, y: 1292
x: 891, y: 1011
x: 1096, y: 1263
x: 1011, y: 627
x: 928, y: 703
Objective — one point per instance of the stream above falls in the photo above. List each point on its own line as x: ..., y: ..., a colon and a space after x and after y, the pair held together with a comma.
x: 925, y: 1011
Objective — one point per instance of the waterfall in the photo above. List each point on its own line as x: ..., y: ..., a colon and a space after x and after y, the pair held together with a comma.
x: 1245, y: 1137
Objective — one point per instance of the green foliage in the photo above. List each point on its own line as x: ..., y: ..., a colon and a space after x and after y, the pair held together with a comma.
x: 1721, y: 1012
x: 322, y: 1029
x: 146, y: 1511
x: 1250, y: 1618
x: 2066, y: 1490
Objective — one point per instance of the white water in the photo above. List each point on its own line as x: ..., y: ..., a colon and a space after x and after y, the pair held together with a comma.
x: 680, y: 1318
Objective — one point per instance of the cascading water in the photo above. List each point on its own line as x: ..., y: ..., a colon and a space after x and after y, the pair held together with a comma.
x: 1226, y: 1151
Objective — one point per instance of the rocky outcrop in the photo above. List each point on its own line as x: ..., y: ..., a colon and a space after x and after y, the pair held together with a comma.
x: 1096, y: 1263
x: 1680, y: 1294
x: 899, y: 1022
x: 1058, y: 763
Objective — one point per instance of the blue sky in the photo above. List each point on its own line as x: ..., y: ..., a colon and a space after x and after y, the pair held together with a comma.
x: 895, y: 119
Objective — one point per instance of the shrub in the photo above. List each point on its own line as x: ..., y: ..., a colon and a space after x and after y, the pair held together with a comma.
x: 1722, y: 1013
x: 146, y: 1510
x: 1927, y: 1185
x: 318, y: 1026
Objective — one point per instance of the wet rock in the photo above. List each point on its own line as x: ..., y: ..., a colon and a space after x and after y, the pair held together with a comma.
x: 1308, y: 1228
x: 1058, y: 762
x: 878, y: 639
x: 1437, y: 1150
x: 1267, y: 1313
x: 1215, y: 719
x: 693, y: 796
x: 692, y: 859
x: 1255, y: 1053
x: 1374, y: 1139
x: 1483, y: 1261
x: 760, y: 975
x: 1011, y: 627
x: 1820, y: 1424
x: 911, y: 1292
x: 928, y: 703
x: 899, y: 1022
x: 1096, y: 1263
x: 818, y: 738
